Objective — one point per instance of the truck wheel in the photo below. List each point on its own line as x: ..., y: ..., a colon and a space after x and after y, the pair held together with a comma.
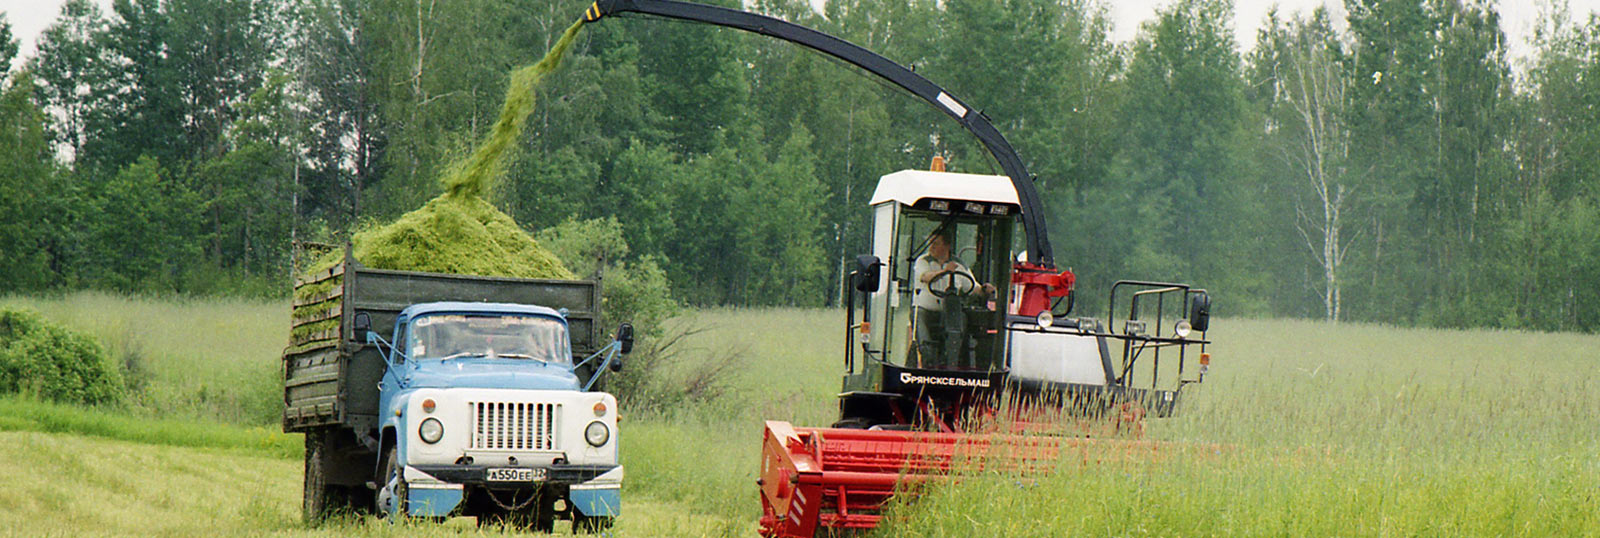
x: 582, y: 524
x: 392, y: 500
x: 543, y: 514
x: 538, y: 516
x: 317, y: 500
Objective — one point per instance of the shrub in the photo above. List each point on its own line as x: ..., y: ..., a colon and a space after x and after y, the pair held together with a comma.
x: 636, y: 290
x: 43, y: 359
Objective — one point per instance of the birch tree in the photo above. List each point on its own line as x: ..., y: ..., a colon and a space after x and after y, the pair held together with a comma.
x: 1314, y: 144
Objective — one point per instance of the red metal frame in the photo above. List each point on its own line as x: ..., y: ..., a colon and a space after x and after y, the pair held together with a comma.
x: 841, y: 478
x: 1039, y: 284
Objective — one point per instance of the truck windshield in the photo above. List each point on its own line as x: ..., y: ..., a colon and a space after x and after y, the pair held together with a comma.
x: 444, y: 336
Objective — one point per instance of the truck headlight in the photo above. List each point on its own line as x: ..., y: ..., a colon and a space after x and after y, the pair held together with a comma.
x: 597, y: 433
x: 431, y: 430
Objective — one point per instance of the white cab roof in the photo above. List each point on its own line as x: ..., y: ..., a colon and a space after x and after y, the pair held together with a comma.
x: 909, y: 186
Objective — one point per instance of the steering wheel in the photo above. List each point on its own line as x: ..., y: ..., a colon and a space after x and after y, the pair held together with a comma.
x: 950, y: 287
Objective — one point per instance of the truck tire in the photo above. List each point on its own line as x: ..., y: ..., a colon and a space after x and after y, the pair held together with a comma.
x: 582, y: 524
x: 391, y: 473
x: 318, y: 498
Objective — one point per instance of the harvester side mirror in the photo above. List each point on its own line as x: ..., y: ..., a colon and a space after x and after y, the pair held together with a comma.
x: 867, y: 273
x: 624, y: 340
x: 1200, y: 312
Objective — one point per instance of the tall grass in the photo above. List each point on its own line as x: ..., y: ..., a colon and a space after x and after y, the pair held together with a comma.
x: 1333, y: 430
x: 787, y: 362
x: 1348, y: 430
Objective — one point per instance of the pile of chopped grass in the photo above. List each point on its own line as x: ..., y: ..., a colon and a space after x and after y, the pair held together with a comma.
x: 457, y: 234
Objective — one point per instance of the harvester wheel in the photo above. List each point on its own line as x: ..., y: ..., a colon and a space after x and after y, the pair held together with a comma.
x: 853, y: 423
x: 582, y: 524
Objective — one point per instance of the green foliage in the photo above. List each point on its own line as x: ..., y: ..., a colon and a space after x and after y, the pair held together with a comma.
x: 31, y: 193
x: 43, y: 359
x: 696, y: 77
x: 633, y: 290
x: 1183, y: 199
x: 8, y: 46
x: 74, y: 75
x: 740, y: 163
x: 333, y: 63
x: 778, y: 247
x: 143, y: 237
x: 251, y: 196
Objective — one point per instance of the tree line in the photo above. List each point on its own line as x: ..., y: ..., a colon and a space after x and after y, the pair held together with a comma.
x: 1396, y: 169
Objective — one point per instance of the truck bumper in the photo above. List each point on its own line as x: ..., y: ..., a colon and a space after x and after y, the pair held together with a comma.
x: 597, y: 500
x: 433, y: 500
x: 437, y: 490
x: 474, y: 475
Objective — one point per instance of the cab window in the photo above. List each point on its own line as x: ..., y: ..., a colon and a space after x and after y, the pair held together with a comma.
x: 444, y: 336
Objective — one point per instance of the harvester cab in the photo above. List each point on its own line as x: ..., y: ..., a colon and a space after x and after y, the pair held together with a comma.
x: 946, y: 319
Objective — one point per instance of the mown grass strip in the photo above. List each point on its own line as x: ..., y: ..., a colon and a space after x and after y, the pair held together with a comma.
x: 22, y: 414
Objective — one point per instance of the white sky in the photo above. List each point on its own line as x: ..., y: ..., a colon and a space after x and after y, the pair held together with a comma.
x: 30, y: 17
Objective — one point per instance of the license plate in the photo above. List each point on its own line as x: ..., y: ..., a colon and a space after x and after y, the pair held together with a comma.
x: 515, y: 475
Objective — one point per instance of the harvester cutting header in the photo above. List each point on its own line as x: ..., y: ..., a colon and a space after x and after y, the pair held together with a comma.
x: 957, y: 326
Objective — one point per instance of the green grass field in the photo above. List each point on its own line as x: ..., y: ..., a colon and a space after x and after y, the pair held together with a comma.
x: 212, y: 359
x: 1345, y: 430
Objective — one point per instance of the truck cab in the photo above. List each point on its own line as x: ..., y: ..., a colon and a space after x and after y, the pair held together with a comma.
x: 483, y: 411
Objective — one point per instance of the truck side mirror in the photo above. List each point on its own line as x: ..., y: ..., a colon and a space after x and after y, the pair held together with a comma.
x: 867, y: 273
x: 625, y: 338
x: 1200, y: 312
x: 362, y: 324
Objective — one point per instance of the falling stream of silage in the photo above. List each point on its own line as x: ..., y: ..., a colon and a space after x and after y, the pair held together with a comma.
x: 473, y: 176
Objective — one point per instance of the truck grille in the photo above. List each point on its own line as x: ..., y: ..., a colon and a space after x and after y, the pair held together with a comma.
x: 514, y: 426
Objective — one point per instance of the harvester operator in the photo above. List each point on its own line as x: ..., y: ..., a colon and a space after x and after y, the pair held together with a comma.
x: 934, y: 274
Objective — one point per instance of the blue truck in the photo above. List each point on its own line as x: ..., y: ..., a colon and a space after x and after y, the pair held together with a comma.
x: 436, y: 395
